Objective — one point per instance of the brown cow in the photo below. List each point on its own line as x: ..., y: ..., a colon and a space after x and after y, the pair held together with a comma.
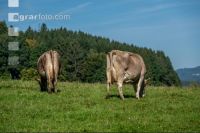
x: 48, y: 66
x: 126, y: 67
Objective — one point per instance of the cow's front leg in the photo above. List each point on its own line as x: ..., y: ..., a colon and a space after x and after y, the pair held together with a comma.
x: 142, y: 91
x: 120, y: 83
x: 135, y: 87
x: 49, y: 89
x: 55, y: 90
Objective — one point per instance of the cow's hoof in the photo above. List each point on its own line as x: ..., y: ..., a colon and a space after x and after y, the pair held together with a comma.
x: 122, y: 98
x: 138, y: 97
x: 55, y: 91
x: 107, y: 97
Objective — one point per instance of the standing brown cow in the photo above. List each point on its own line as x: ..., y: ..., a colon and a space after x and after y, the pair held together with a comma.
x: 126, y: 67
x: 48, y: 66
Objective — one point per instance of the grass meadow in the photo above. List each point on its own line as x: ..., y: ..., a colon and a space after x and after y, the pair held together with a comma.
x: 80, y: 107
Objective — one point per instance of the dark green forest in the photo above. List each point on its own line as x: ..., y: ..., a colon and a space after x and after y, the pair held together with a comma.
x: 82, y: 55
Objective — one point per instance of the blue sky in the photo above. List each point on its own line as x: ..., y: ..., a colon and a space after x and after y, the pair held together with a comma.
x: 169, y: 25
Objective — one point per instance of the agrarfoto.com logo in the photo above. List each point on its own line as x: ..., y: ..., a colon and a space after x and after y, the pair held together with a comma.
x: 15, y: 17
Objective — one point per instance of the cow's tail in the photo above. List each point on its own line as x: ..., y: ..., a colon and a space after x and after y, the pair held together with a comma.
x: 40, y: 66
x: 110, y: 57
x: 108, y: 70
x: 52, y: 60
x: 110, y: 67
x: 108, y: 60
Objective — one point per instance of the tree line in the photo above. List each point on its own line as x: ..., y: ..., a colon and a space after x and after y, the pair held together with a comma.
x: 83, y: 56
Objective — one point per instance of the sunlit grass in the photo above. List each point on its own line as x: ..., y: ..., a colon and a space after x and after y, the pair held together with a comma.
x: 83, y: 107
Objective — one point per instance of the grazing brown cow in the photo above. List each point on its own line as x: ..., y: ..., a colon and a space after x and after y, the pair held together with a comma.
x: 48, y: 66
x: 126, y: 67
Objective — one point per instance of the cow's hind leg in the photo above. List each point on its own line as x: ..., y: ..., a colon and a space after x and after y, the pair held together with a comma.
x: 54, y: 85
x: 139, y: 85
x: 108, y: 90
x: 50, y: 85
x: 108, y: 75
x: 119, y: 84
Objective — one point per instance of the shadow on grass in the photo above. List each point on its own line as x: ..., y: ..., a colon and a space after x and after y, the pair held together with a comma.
x: 52, y: 92
x: 117, y: 96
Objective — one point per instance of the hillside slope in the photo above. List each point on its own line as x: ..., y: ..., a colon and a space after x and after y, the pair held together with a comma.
x: 189, y: 74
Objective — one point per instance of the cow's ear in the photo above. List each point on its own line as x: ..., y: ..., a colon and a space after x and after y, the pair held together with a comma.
x: 146, y: 81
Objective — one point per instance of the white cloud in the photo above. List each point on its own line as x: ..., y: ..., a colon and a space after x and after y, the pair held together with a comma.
x: 139, y: 11
x: 156, y: 8
x: 75, y: 9
x: 196, y: 74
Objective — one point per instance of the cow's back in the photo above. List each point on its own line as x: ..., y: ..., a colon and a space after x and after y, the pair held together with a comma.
x: 136, y: 64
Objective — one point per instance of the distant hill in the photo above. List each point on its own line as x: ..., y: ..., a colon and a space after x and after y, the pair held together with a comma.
x: 188, y: 75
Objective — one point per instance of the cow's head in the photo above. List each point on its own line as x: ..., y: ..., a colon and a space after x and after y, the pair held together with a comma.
x: 146, y: 81
x: 42, y: 83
